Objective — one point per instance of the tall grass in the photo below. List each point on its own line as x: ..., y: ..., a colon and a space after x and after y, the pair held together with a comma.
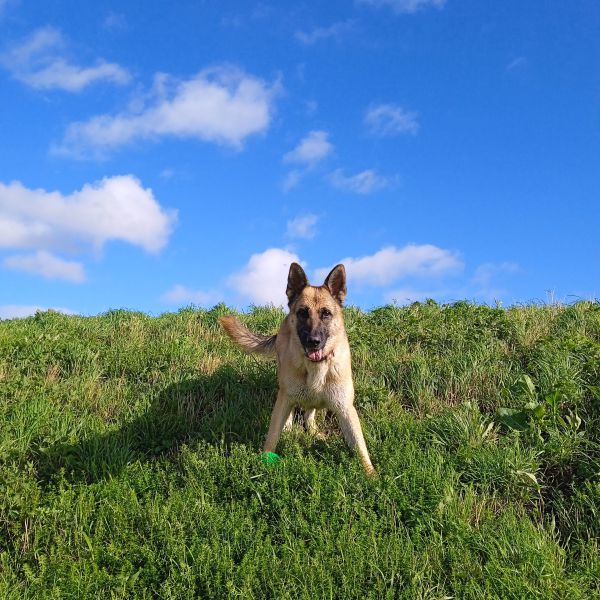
x: 129, y: 459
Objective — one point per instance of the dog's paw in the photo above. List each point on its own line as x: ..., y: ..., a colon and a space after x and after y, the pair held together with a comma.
x: 370, y: 472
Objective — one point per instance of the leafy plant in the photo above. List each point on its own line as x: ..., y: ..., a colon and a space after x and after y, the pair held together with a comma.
x: 538, y: 416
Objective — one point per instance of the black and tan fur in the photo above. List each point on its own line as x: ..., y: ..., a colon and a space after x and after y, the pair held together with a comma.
x: 313, y: 357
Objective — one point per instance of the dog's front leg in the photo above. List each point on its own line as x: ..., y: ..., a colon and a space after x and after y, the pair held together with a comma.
x: 350, y: 425
x: 281, y: 412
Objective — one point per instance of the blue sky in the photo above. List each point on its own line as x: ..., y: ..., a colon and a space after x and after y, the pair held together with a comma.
x: 156, y: 155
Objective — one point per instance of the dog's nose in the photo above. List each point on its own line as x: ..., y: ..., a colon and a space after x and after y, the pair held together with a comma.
x: 313, y: 342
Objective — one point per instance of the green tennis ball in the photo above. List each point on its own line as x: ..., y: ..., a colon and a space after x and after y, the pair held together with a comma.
x: 269, y: 458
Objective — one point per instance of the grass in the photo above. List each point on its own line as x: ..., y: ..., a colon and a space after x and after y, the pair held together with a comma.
x: 130, y: 467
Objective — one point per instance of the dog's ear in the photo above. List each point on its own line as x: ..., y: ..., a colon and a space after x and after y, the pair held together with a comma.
x: 336, y: 283
x: 297, y: 281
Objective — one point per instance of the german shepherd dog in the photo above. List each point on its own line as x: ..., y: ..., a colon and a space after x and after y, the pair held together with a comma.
x: 313, y: 358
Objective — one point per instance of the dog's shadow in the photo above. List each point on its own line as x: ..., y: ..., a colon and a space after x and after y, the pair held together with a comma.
x: 228, y: 406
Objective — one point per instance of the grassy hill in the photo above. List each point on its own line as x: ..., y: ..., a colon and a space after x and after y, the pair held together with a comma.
x: 129, y: 460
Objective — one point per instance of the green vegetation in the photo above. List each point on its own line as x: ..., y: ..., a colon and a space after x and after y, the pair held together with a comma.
x: 130, y: 460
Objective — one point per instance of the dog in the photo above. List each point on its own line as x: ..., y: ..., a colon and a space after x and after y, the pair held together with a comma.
x: 313, y: 358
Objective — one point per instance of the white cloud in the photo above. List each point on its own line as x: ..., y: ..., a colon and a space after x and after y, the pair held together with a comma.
x: 303, y: 227
x: 114, y: 22
x: 39, y: 61
x: 115, y: 208
x: 391, y: 119
x: 487, y: 271
x: 180, y: 294
x: 223, y: 105
x: 292, y: 179
x: 516, y: 64
x: 47, y: 265
x: 365, y: 182
x: 264, y: 279
x: 20, y: 311
x: 336, y: 31
x: 487, y: 282
x: 405, y: 6
x: 4, y: 4
x: 481, y: 287
x: 311, y: 149
x: 311, y: 107
x: 391, y: 263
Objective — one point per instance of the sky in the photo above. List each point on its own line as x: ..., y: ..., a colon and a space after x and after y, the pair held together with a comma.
x: 156, y: 155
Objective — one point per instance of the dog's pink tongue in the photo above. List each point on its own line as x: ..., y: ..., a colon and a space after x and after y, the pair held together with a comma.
x: 315, y: 355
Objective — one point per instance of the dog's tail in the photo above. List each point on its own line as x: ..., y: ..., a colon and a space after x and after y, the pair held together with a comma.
x: 250, y: 342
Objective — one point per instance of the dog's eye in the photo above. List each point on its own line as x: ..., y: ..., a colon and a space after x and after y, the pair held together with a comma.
x: 302, y: 313
x: 325, y: 314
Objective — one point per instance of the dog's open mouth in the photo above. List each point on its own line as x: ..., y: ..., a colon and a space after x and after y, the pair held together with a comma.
x: 316, y: 355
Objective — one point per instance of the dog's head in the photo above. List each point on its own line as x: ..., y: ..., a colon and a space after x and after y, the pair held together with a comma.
x: 316, y: 312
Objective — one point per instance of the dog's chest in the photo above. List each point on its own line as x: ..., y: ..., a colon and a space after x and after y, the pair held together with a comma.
x: 310, y: 386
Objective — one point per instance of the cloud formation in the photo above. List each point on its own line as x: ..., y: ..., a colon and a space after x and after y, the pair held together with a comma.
x: 516, y: 64
x: 292, y: 179
x: 391, y: 264
x: 335, y: 31
x: 39, y: 62
x: 311, y: 149
x: 115, y: 208
x: 309, y: 152
x: 3, y: 5
x: 47, y: 265
x: 263, y: 280
x: 180, y: 294
x: 364, y: 183
x: 405, y: 6
x: 390, y: 119
x: 489, y: 279
x: 223, y: 105
x: 482, y: 286
x: 20, y: 311
x: 115, y: 22
x: 304, y: 227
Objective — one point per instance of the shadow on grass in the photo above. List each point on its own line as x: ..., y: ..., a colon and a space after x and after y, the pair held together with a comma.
x: 229, y: 406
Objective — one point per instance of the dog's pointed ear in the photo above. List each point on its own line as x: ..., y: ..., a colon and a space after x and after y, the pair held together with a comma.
x: 336, y: 283
x: 297, y: 281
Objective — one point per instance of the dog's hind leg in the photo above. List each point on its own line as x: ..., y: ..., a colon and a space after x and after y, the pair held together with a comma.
x: 309, y: 420
x: 281, y: 411
x: 289, y: 423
